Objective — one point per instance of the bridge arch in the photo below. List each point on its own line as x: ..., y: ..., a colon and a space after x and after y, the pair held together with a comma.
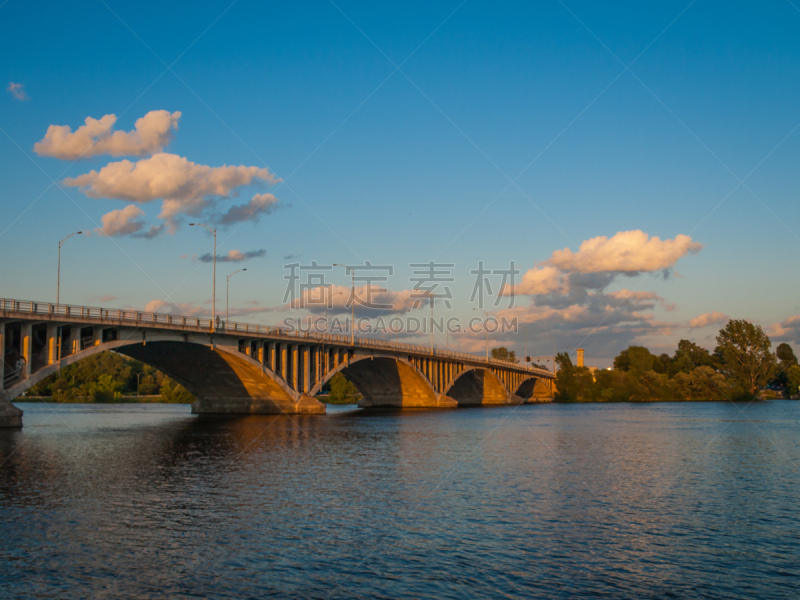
x: 534, y: 387
x: 387, y: 381
x: 222, y: 379
x: 475, y: 386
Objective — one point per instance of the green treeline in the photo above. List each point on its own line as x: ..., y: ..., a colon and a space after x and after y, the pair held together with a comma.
x: 738, y: 368
x: 106, y: 377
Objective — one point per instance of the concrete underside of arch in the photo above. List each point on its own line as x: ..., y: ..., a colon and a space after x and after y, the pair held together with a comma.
x: 389, y: 383
x: 222, y: 381
x: 478, y: 387
x: 536, y: 390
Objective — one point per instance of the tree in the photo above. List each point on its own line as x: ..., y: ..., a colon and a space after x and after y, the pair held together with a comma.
x: 707, y: 384
x: 343, y: 391
x: 563, y: 361
x: 172, y: 391
x: 786, y: 355
x: 744, y: 349
x: 793, y: 380
x: 699, y: 357
x: 635, y: 358
x: 662, y: 363
x: 503, y: 353
x: 567, y: 385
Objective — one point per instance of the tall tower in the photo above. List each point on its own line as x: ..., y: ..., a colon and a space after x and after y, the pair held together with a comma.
x: 580, y: 357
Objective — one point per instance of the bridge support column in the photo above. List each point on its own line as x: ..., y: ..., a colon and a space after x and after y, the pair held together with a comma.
x: 52, y: 344
x: 295, y: 370
x: 74, y: 339
x: 26, y: 333
x: 306, y: 369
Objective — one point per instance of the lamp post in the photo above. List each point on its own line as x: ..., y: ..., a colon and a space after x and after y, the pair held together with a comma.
x: 137, y: 384
x: 352, y: 301
x: 58, y: 279
x: 431, y: 301
x: 485, y: 316
x: 525, y: 330
x: 214, y: 276
x: 227, y: 293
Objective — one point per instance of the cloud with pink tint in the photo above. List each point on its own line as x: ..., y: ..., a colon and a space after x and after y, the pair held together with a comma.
x: 121, y: 222
x: 261, y: 204
x: 193, y: 309
x: 185, y: 187
x: 540, y: 280
x: 787, y: 330
x: 710, y: 318
x: 18, y: 91
x: 629, y: 252
x: 187, y: 309
x: 151, y: 133
x: 233, y: 256
x: 642, y: 297
x: 102, y: 298
x: 314, y: 300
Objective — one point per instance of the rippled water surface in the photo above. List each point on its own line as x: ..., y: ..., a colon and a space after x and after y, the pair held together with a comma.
x: 638, y: 501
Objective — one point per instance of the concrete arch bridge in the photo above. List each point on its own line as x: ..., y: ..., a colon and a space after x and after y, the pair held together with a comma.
x: 245, y: 368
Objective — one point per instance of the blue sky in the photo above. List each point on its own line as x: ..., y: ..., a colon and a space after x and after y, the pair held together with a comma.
x: 399, y: 166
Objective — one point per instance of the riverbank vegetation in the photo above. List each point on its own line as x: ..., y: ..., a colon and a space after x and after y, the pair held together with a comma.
x: 110, y: 377
x: 339, y: 390
x: 739, y: 367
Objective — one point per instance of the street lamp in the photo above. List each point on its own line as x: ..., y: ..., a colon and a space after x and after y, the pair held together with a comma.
x: 430, y: 299
x: 58, y: 280
x: 227, y: 293
x: 485, y: 316
x: 137, y: 384
x: 214, y: 276
x: 352, y: 301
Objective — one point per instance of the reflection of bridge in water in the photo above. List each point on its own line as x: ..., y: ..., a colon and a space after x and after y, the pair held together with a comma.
x: 244, y: 368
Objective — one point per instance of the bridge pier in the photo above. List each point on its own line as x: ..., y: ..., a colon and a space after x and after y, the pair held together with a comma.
x: 305, y: 405
x: 10, y: 415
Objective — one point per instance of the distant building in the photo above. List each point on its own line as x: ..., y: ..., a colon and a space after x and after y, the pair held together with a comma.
x: 579, y: 363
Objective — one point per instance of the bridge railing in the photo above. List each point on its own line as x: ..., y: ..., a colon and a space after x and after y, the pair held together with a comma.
x: 134, y: 317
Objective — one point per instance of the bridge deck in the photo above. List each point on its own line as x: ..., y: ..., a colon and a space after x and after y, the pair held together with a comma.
x: 44, y: 312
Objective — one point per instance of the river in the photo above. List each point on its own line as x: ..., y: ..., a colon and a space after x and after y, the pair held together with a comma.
x: 686, y: 500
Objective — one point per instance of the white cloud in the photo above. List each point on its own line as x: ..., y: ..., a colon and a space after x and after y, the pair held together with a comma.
x: 184, y: 186
x: 17, y: 90
x: 261, y: 204
x: 709, y: 318
x: 121, y: 222
x: 569, y: 301
x: 150, y: 134
x: 629, y: 252
x: 541, y: 280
